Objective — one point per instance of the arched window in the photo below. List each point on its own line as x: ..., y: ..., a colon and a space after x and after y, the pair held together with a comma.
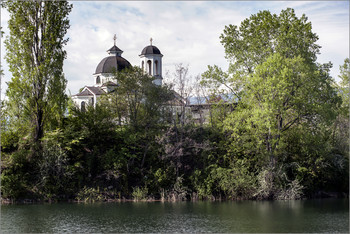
x: 82, y: 106
x: 98, y: 80
x: 156, y: 64
x: 143, y: 65
x: 149, y: 67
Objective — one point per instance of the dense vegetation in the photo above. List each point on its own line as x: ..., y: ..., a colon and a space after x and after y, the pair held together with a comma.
x: 281, y: 133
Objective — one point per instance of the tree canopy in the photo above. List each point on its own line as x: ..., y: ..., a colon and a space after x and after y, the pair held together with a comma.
x: 279, y: 124
x: 281, y: 92
x: 35, y: 54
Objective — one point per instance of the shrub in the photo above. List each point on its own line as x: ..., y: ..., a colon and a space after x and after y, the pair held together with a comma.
x: 90, y: 195
x: 179, y: 191
x: 139, y: 193
x: 12, y: 186
x: 237, y: 182
x: 292, y: 192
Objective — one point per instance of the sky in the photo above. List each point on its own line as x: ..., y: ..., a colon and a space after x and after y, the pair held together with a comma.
x: 185, y: 32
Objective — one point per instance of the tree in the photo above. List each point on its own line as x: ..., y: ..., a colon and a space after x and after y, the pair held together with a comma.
x: 35, y: 56
x: 140, y: 108
x: 281, y: 94
x: 341, y: 125
x: 279, y: 86
x: 273, y: 61
x: 344, y: 84
x: 200, y: 97
x: 137, y: 102
x: 263, y: 34
x: 181, y: 82
x: 256, y: 39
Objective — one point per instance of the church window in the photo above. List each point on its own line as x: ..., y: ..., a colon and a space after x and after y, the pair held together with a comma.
x: 98, y: 80
x: 82, y: 106
x: 143, y: 65
x: 156, y: 63
x: 149, y: 67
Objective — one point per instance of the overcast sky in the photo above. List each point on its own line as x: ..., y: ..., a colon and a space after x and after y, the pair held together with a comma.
x: 184, y: 31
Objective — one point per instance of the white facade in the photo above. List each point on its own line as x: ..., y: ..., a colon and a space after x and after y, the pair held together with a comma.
x: 102, y: 78
x: 151, y: 64
x: 88, y: 96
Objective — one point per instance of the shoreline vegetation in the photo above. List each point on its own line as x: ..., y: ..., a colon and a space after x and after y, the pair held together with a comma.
x: 102, y: 198
x: 277, y: 126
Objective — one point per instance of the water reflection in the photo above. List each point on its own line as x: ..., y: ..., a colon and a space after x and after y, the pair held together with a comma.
x: 244, y: 216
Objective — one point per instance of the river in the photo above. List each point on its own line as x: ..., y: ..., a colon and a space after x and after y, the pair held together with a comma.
x: 328, y: 215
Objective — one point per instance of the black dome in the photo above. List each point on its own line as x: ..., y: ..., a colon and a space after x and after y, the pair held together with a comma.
x: 111, y: 64
x: 150, y: 50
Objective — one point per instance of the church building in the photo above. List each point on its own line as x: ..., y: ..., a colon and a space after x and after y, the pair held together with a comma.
x: 104, y: 79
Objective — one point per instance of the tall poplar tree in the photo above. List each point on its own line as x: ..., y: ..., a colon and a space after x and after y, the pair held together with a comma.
x: 35, y: 54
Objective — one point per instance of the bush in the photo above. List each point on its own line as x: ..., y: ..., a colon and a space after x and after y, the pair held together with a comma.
x: 14, y: 178
x: 179, y: 191
x: 9, y: 141
x: 12, y: 186
x: 202, y: 184
x: 139, y: 193
x: 54, y: 174
x: 237, y: 182
x: 90, y: 195
x: 294, y: 191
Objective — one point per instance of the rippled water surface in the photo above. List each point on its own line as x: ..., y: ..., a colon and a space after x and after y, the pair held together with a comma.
x: 247, y: 216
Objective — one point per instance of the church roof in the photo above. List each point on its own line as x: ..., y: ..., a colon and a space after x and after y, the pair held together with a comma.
x: 90, y: 91
x: 112, y: 64
x: 86, y: 92
x: 96, y: 90
x: 109, y: 83
x: 151, y: 49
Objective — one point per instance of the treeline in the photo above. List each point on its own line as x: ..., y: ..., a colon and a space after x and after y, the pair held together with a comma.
x: 284, y: 135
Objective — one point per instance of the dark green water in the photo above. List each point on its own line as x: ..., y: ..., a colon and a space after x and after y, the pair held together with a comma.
x: 247, y: 216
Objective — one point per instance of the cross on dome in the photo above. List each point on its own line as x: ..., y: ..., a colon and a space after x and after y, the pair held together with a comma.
x: 115, y: 38
x: 151, y: 40
x: 115, y: 50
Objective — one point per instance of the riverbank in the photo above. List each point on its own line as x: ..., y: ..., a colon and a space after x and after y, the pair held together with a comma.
x: 318, y: 195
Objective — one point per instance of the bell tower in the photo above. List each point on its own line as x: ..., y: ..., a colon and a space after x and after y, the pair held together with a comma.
x: 151, y: 62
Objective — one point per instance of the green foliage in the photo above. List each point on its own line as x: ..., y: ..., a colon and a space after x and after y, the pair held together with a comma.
x: 280, y: 95
x: 343, y: 86
x: 139, y: 194
x: 35, y: 55
x: 344, y: 73
x: 278, y: 128
x: 55, y: 174
x: 263, y: 34
x: 90, y: 195
x: 179, y: 191
x: 236, y: 181
x: 164, y: 177
x: 274, y: 184
x: 136, y: 101
x: 202, y: 184
x: 182, y: 146
x: 15, y: 176
x: 285, y: 101
x: 12, y: 186
x: 9, y: 141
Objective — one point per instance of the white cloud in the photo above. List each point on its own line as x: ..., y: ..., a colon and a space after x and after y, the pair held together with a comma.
x: 185, y: 32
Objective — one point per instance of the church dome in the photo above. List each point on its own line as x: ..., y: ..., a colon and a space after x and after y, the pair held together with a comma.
x: 150, y: 50
x: 112, y: 64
